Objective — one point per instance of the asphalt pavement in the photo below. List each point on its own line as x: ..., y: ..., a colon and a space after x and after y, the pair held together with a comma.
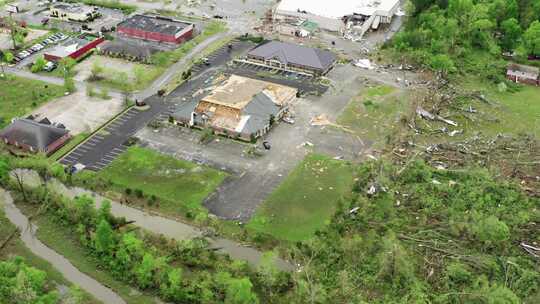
x: 105, y: 145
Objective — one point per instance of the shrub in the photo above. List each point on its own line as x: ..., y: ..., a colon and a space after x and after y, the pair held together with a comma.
x: 139, y: 193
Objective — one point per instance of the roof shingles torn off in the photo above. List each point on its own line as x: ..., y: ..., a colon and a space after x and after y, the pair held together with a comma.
x: 154, y: 24
x: 288, y: 53
x: 34, y: 134
x: 242, y: 105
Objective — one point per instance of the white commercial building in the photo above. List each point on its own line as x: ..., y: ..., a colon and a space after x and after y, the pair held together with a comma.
x: 333, y: 15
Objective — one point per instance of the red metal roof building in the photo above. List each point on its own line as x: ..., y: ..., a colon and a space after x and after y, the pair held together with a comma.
x: 156, y: 28
x: 73, y: 47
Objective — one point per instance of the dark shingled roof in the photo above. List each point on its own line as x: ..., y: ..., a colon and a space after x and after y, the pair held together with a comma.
x: 29, y: 132
x: 288, y: 53
x: 183, y: 110
x: 128, y: 49
x: 154, y: 24
x: 259, y: 110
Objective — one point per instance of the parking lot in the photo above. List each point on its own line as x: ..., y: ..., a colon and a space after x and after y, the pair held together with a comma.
x: 29, y: 55
x: 104, y: 146
x: 75, y: 156
x: 306, y: 84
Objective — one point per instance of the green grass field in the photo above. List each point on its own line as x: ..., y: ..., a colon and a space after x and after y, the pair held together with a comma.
x: 179, y: 185
x: 513, y: 112
x: 305, y: 200
x: 374, y: 112
x: 18, y: 96
x: 145, y: 75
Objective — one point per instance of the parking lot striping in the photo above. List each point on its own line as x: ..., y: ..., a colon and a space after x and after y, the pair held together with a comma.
x: 94, y: 140
x: 82, y: 148
x: 115, y: 153
x: 75, y: 153
x: 71, y: 160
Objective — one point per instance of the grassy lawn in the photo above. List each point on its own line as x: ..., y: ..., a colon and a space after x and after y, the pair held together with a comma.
x: 374, y: 112
x: 77, y: 139
x: 65, y: 242
x: 17, y: 248
x: 297, y: 208
x: 179, y: 186
x: 19, y: 96
x: 144, y: 75
x: 513, y: 112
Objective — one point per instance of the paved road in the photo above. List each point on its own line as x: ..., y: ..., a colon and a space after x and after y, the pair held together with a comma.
x: 178, y: 66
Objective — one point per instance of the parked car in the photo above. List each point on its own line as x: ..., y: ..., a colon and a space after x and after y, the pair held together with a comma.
x: 49, y: 66
x: 37, y: 47
x: 288, y: 120
x: 267, y: 145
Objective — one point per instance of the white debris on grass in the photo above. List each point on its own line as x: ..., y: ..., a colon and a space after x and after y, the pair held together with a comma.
x: 364, y: 64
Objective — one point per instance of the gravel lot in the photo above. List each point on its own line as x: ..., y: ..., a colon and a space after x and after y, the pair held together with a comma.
x: 80, y: 113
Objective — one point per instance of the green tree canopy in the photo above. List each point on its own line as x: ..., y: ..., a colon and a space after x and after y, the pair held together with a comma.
x: 531, y: 39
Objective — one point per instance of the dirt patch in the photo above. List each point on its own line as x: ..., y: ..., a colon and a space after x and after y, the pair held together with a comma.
x: 80, y: 113
x: 5, y: 38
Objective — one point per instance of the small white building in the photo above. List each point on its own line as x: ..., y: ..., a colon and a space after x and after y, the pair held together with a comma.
x: 333, y: 15
x: 73, y: 12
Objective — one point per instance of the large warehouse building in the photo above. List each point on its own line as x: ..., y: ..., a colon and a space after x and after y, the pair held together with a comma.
x: 333, y: 15
x: 156, y: 28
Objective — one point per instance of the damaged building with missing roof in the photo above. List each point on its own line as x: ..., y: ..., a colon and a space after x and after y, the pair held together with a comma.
x: 351, y: 18
x: 241, y: 107
x: 523, y: 74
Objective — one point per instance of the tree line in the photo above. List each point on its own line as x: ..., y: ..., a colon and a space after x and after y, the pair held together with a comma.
x: 470, y: 34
